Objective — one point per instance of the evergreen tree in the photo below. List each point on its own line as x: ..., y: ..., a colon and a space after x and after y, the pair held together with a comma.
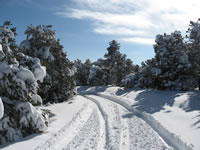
x: 59, y: 84
x: 117, y: 63
x: 82, y: 71
x: 19, y: 76
x: 171, y: 68
x: 193, y: 48
x: 96, y: 76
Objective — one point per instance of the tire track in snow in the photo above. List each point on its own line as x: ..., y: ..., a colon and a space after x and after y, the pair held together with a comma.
x: 113, y: 125
x: 88, y: 136
x: 168, y: 137
x: 105, y: 117
x: 69, y: 131
x: 130, y: 132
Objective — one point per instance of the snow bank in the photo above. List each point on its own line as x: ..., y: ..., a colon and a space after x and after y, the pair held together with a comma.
x: 62, y: 115
x: 68, y: 131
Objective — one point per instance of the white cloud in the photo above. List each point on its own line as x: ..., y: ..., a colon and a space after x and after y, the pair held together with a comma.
x: 141, y: 19
x: 112, y: 30
x: 146, y: 41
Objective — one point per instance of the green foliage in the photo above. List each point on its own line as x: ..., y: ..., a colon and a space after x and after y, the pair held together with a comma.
x: 193, y: 48
x: 82, y: 71
x: 59, y: 84
x: 117, y: 64
x: 19, y: 83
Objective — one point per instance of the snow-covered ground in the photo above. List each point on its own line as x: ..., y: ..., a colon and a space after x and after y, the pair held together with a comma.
x: 113, y: 118
x: 178, y: 112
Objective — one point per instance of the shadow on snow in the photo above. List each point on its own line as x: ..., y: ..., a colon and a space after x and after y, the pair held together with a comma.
x: 91, y: 89
x: 153, y: 101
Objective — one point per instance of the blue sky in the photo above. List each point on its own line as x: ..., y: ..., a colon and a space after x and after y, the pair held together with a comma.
x: 85, y: 27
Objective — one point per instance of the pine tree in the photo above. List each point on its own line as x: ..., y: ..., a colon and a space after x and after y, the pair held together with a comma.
x: 193, y: 48
x: 19, y: 76
x: 117, y: 64
x: 171, y: 68
x: 82, y: 71
x: 59, y: 83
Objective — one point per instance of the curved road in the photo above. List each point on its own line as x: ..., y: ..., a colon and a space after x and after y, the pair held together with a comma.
x: 105, y: 125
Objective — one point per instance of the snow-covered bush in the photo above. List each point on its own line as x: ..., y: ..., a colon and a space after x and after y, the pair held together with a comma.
x: 8, y: 133
x: 21, y: 119
x: 58, y: 85
x: 128, y: 80
x: 31, y: 119
x: 19, y: 79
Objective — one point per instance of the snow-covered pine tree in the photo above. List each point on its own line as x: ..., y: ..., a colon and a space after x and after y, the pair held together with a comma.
x: 18, y: 83
x: 193, y: 48
x: 171, y: 68
x: 99, y: 73
x: 117, y: 63
x: 59, y: 83
x: 82, y: 71
x: 96, y: 76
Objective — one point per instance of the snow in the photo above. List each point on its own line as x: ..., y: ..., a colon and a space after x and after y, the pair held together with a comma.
x: 39, y: 72
x: 1, y: 108
x: 156, y: 71
x: 25, y: 74
x: 134, y: 132
x: 31, y: 116
x: 128, y: 78
x: 4, y: 68
x: 36, y: 99
x: 184, y: 59
x: 65, y: 113
x: 45, y: 53
x: 1, y: 49
x: 107, y: 117
x: 25, y: 45
x: 178, y: 112
x: 2, y: 55
x: 5, y: 34
x: 93, y: 71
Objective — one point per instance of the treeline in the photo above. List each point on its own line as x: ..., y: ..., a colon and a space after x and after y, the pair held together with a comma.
x: 175, y: 66
x: 108, y: 71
